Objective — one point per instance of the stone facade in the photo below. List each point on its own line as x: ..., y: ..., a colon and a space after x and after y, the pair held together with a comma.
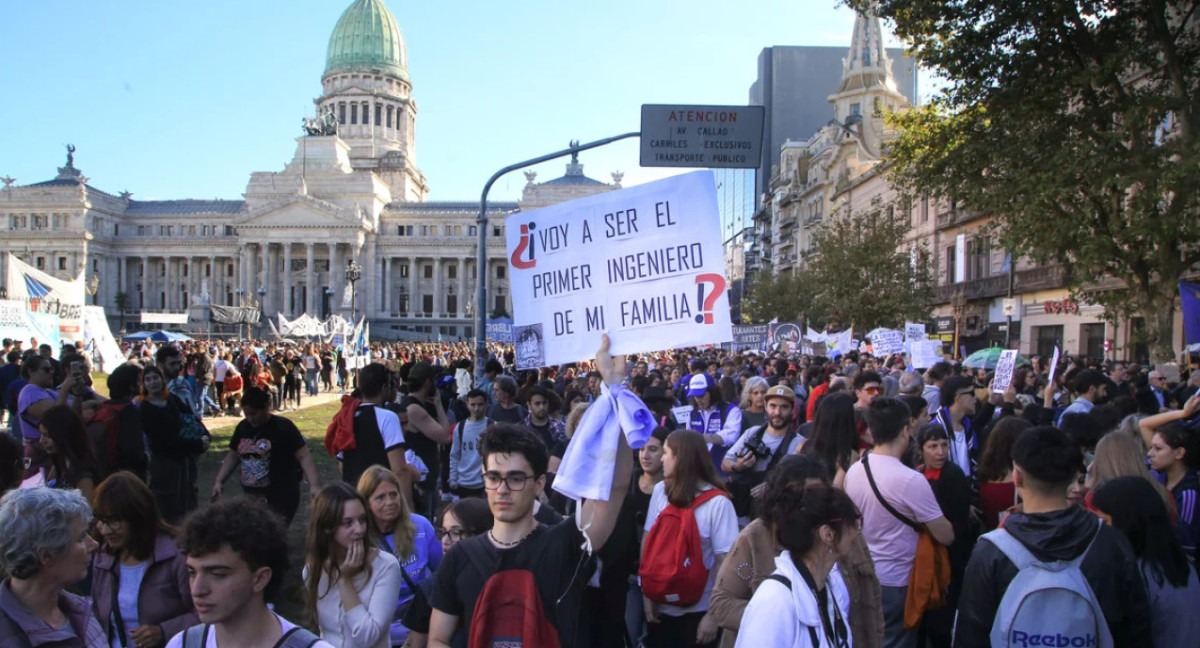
x: 357, y: 195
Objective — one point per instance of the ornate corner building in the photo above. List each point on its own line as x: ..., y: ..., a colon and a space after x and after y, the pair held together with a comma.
x: 352, y: 191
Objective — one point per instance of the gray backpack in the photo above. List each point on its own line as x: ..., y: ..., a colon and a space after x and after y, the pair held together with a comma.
x: 197, y: 637
x: 1047, y: 603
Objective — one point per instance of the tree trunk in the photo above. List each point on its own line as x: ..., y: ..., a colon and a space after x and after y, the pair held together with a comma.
x: 1160, y: 322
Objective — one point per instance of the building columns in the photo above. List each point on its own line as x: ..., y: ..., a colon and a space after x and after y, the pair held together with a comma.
x: 414, y: 298
x: 310, y: 278
x: 285, y: 287
x: 439, y: 300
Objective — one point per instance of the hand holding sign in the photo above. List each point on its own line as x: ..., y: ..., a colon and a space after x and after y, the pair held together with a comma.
x: 1004, y: 371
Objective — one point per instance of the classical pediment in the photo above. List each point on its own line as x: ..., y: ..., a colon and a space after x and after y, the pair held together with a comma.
x: 304, y: 212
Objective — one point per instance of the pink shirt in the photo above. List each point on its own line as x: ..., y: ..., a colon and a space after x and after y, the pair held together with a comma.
x: 893, y: 544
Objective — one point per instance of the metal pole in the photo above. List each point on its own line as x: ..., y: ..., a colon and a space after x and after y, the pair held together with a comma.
x: 1012, y: 262
x: 481, y: 252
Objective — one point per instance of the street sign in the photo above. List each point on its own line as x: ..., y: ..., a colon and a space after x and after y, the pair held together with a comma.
x: 1010, y: 307
x: 702, y: 136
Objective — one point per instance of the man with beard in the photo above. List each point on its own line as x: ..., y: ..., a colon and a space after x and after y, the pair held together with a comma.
x: 761, y: 447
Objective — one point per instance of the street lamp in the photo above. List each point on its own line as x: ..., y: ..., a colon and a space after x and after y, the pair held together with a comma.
x: 262, y: 300
x: 241, y: 301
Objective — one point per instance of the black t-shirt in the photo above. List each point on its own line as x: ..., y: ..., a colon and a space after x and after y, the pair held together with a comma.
x: 268, y: 455
x: 561, y: 569
x: 501, y: 415
x: 421, y: 445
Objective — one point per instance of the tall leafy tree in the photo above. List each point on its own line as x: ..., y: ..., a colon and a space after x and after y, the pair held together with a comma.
x: 780, y: 296
x: 1074, y: 122
x: 862, y: 277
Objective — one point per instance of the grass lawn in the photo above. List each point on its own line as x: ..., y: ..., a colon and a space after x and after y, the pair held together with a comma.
x: 312, y: 423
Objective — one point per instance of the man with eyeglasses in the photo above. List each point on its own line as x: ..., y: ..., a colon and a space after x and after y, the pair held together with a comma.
x: 1156, y: 391
x: 868, y: 385
x: 514, y: 474
x: 957, y: 416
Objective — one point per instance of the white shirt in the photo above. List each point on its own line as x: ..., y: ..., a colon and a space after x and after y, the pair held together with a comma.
x: 781, y: 616
x: 717, y: 523
x: 368, y: 625
x: 284, y: 626
x: 127, y: 598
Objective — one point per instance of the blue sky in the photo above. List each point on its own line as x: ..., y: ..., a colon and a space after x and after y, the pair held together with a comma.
x: 185, y: 99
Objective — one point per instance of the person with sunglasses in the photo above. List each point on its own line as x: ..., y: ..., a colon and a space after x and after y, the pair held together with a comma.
x: 868, y: 385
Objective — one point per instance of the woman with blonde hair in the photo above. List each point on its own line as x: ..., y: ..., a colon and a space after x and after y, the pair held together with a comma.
x: 351, y: 586
x: 404, y: 534
x: 1121, y: 455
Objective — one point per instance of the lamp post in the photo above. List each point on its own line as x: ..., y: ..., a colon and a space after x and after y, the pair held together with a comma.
x: 353, y: 274
x: 958, y: 301
x: 93, y: 287
x: 262, y: 299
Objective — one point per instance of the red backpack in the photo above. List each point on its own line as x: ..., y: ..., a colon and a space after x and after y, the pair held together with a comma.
x: 672, y: 568
x: 104, y: 431
x: 508, y: 612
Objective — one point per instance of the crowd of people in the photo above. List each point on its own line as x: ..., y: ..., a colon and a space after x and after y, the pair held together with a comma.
x: 696, y: 497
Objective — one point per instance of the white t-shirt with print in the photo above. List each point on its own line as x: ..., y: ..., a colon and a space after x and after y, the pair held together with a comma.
x: 718, y: 527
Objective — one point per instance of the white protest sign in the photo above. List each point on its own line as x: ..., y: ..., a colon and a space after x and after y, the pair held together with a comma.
x: 925, y: 354
x: 682, y: 414
x: 644, y: 264
x: 1004, y: 371
x: 887, y: 342
x: 914, y: 332
x: 1053, y: 366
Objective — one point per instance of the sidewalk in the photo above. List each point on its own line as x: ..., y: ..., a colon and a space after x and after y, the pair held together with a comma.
x: 216, y: 422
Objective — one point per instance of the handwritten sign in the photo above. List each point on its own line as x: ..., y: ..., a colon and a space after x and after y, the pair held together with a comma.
x: 644, y: 264
x: 683, y: 415
x: 926, y: 353
x: 913, y: 332
x: 1004, y: 371
x: 887, y: 342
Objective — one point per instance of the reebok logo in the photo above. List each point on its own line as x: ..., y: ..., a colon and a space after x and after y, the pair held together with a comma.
x: 1024, y: 639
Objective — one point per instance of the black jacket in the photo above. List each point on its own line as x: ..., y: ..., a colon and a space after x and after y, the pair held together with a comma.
x: 1110, y: 568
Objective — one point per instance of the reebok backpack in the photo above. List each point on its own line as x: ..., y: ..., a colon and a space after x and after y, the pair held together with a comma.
x: 672, y: 569
x: 508, y: 612
x: 1047, y: 603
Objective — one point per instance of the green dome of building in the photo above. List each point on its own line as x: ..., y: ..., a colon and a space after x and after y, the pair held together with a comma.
x: 367, y: 38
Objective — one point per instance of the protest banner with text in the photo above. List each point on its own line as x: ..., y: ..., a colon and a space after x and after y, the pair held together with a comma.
x: 644, y: 264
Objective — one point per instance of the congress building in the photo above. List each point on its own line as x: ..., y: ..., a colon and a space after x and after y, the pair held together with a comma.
x: 352, y: 191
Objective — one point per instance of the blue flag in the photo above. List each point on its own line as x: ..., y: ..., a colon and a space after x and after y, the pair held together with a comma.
x: 1189, y: 298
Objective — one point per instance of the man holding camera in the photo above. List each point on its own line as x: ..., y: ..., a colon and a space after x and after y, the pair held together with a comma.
x: 760, y: 448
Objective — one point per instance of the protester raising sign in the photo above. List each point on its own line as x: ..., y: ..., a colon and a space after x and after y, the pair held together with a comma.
x: 643, y: 263
x: 886, y: 341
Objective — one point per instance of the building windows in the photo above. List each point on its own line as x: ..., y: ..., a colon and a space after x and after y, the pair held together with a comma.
x: 389, y: 116
x: 855, y: 109
x: 378, y: 115
x: 353, y: 113
x: 1048, y: 337
x: 951, y: 261
x: 404, y: 271
x: 452, y: 305
x: 1091, y: 337
x: 62, y: 263
x: 229, y: 270
x: 452, y: 272
x: 500, y: 305
x: 230, y: 231
x: 40, y: 263
x: 17, y: 222
x: 979, y: 259
x: 427, y: 304
x: 403, y: 303
x: 500, y: 271
x: 495, y: 230
x: 427, y: 271
x: 116, y: 229
x: 341, y: 113
x: 404, y: 230
x: 473, y: 230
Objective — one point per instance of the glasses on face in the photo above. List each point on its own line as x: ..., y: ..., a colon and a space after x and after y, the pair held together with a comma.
x: 514, y: 481
x: 874, y: 391
x: 454, y: 534
x: 112, y: 523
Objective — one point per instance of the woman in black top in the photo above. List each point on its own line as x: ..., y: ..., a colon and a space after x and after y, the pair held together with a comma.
x: 173, y: 450
x: 635, y: 508
x: 72, y: 462
x: 952, y: 490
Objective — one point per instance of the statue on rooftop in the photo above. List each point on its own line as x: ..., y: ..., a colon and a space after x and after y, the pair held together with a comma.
x: 70, y: 156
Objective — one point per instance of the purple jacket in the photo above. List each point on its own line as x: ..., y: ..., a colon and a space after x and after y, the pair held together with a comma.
x: 19, y: 628
x: 164, y: 599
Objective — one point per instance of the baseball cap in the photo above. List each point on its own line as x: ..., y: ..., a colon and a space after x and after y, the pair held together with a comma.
x: 781, y: 391
x: 699, y: 384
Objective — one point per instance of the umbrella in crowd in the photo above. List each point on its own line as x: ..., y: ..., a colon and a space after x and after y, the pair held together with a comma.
x: 989, y: 358
x: 157, y: 336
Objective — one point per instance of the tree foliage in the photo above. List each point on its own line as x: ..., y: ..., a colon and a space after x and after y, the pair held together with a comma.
x: 862, y: 277
x: 1073, y: 122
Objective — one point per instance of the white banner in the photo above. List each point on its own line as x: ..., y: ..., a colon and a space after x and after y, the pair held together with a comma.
x: 644, y: 264
x: 164, y: 318
x: 17, y: 323
x: 43, y: 293
x: 106, y: 354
